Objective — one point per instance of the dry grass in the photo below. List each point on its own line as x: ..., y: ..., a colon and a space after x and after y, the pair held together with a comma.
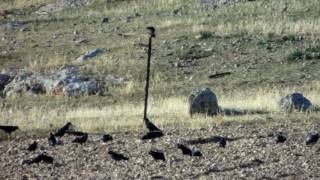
x: 166, y: 112
x: 18, y: 4
x: 251, y: 17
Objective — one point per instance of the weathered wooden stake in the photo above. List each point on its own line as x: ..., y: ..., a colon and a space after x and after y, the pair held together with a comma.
x: 151, y: 32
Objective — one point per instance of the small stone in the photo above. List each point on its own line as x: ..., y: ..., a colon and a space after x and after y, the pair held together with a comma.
x: 105, y: 20
x: 91, y: 54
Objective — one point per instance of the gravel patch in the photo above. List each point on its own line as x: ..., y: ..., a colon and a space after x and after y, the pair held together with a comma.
x: 251, y: 153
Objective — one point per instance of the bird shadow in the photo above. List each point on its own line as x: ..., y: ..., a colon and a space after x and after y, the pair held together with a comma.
x: 241, y: 112
x: 213, y: 139
x: 251, y: 164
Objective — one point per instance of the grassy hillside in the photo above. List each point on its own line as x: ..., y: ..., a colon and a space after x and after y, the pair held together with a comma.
x: 270, y: 47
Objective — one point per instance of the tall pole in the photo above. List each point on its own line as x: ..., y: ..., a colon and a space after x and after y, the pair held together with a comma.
x: 151, y: 32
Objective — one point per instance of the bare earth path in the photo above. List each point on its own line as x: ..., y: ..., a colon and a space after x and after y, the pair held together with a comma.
x: 251, y: 153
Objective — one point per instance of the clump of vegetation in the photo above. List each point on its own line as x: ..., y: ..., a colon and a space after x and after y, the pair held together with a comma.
x: 205, y: 35
x: 309, y: 53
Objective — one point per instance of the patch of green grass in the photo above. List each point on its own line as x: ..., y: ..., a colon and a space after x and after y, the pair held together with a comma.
x: 309, y: 53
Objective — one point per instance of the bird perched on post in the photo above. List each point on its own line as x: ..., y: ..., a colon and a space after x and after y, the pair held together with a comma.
x: 151, y: 31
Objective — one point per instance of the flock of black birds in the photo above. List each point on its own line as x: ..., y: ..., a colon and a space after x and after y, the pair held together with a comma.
x: 81, y: 137
x: 153, y: 133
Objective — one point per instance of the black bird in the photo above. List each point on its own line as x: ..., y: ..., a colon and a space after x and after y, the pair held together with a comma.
x: 280, y: 138
x: 81, y: 139
x: 157, y: 155
x: 106, y: 138
x: 9, y: 129
x: 33, y: 146
x: 152, y: 135
x: 40, y: 158
x: 312, y: 139
x: 61, y: 131
x: 151, y: 31
x: 116, y: 156
x: 187, y: 151
x: 150, y: 125
x: 222, y: 142
x: 52, y: 140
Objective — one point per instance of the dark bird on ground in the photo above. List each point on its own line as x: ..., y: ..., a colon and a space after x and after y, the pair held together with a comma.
x: 312, y: 139
x: 152, y: 135
x: 151, y: 31
x: 52, y: 140
x: 81, y: 139
x: 9, y: 129
x: 157, y: 155
x: 33, y: 146
x: 116, y: 156
x: 61, y: 131
x: 150, y: 125
x: 187, y: 151
x: 280, y: 138
x: 222, y: 142
x: 40, y: 158
x: 106, y: 138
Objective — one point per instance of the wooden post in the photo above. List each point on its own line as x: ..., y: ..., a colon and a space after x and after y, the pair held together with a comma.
x: 151, y: 33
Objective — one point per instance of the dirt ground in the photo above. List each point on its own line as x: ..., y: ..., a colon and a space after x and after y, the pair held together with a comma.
x: 251, y: 153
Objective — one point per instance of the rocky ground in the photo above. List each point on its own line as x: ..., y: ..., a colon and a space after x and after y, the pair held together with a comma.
x: 251, y: 153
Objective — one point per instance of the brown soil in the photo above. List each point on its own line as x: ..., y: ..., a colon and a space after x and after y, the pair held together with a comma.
x: 251, y: 153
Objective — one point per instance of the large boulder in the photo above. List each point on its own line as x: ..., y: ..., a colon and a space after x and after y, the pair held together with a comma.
x: 203, y: 101
x: 80, y: 85
x: 67, y: 81
x: 294, y: 101
x: 24, y: 82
